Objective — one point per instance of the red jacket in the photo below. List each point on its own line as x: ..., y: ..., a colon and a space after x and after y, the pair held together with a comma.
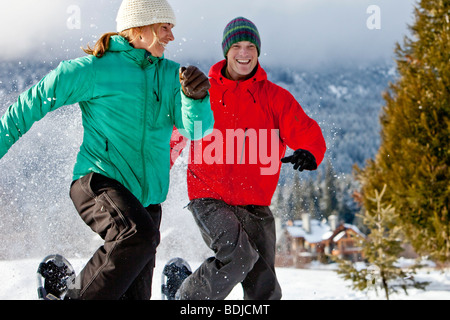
x: 255, y: 120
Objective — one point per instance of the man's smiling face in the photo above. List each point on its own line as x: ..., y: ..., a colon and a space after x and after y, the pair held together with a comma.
x: 242, y: 59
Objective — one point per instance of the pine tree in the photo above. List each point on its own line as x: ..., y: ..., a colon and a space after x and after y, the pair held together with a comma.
x: 381, y: 249
x: 310, y: 198
x: 414, y: 156
x: 329, y: 199
x: 295, y: 199
x: 278, y: 205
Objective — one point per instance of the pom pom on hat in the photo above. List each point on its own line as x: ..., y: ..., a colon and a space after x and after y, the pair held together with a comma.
x: 240, y: 29
x: 139, y: 13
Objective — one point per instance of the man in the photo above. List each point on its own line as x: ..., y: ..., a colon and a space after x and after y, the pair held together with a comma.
x: 233, y: 173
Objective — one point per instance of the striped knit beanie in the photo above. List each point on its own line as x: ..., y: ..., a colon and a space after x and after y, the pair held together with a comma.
x: 240, y: 29
x: 140, y: 13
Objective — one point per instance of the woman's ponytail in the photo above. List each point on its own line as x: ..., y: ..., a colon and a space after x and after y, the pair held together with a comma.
x: 101, y: 46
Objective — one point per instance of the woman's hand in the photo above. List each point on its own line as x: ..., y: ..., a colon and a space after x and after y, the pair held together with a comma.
x: 195, y: 83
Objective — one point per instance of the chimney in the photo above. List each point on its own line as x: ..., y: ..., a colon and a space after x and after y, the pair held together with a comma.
x: 306, y: 222
x: 333, y: 222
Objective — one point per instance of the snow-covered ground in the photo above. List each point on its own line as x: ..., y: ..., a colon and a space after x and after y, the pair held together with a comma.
x: 19, y: 283
x: 18, y: 277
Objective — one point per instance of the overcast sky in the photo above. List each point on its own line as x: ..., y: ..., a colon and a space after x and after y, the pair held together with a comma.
x: 293, y: 32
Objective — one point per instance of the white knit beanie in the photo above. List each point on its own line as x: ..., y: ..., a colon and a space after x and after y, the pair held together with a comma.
x: 139, y: 13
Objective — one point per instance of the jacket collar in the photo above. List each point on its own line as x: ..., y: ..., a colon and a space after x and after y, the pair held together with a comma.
x: 140, y: 56
x: 216, y: 73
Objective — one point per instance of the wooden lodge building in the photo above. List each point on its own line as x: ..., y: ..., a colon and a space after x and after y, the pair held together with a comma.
x: 306, y: 240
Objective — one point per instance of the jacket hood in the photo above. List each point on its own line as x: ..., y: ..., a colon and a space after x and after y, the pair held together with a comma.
x: 216, y: 73
x: 120, y: 44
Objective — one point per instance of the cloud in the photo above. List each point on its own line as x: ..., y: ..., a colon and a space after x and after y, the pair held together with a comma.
x: 304, y: 32
x: 51, y: 28
x: 299, y: 31
x: 28, y: 26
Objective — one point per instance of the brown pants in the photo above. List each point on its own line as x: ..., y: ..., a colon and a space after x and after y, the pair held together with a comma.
x: 243, y: 239
x: 123, y: 267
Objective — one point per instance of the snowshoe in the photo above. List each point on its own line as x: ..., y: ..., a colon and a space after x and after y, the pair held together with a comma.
x: 174, y: 273
x: 54, y: 275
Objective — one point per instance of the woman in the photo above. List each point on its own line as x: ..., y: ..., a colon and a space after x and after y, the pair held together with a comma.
x: 130, y: 100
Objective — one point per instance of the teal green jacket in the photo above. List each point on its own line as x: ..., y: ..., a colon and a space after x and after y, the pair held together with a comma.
x: 129, y: 102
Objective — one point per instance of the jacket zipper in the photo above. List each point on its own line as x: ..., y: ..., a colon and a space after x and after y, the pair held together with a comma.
x: 144, y: 131
x: 243, y: 146
x: 245, y: 132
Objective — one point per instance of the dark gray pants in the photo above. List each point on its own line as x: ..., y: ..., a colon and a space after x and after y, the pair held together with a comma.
x: 123, y: 266
x: 243, y: 239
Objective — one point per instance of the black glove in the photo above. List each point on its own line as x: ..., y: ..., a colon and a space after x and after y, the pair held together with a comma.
x: 195, y: 84
x: 302, y: 160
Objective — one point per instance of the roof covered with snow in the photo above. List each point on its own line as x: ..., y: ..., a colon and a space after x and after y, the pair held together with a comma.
x: 319, y: 231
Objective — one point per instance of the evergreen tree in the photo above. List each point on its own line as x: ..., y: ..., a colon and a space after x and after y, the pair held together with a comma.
x: 414, y: 156
x: 381, y: 250
x: 329, y: 199
x: 347, y: 207
x: 295, y: 199
x: 278, y: 205
x: 310, y: 201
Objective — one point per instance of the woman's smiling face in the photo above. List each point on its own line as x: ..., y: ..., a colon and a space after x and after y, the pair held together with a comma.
x: 155, y: 46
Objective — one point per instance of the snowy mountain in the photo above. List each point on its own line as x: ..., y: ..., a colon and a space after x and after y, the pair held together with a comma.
x: 346, y: 101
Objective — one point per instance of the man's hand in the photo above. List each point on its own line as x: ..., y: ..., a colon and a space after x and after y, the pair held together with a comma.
x: 195, y: 84
x: 302, y: 160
